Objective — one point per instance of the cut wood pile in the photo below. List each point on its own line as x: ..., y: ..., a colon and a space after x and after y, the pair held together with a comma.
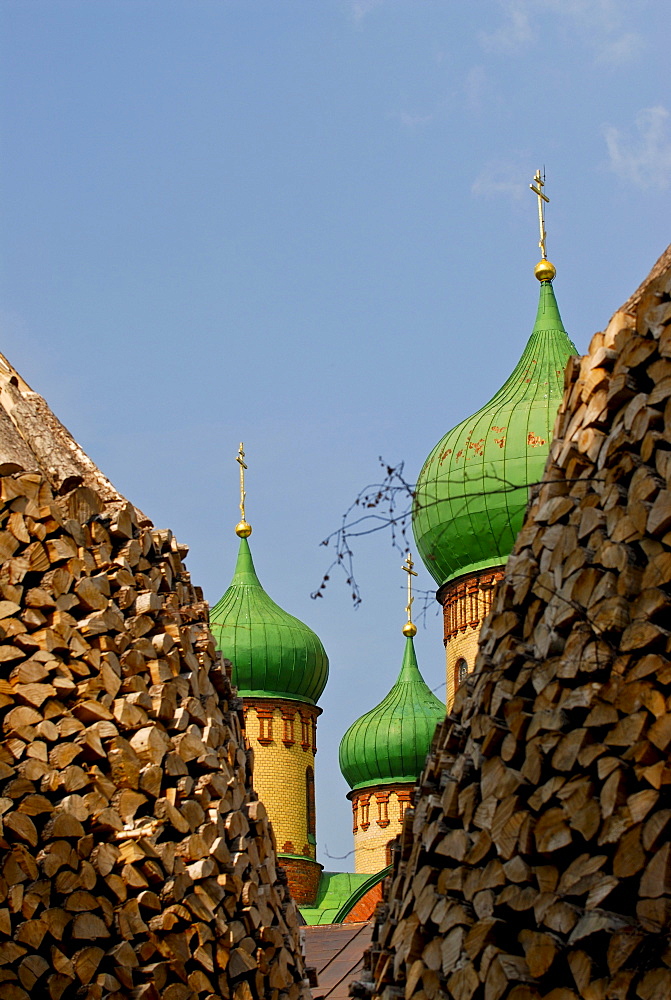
x: 32, y: 439
x: 537, y: 862
x: 135, y: 858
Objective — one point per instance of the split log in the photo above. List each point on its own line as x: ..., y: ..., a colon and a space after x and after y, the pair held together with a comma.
x: 537, y: 860
x: 130, y: 833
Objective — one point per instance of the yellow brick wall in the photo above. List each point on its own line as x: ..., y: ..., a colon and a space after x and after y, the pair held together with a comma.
x: 371, y: 835
x: 464, y: 646
x: 280, y: 769
x: 466, y: 603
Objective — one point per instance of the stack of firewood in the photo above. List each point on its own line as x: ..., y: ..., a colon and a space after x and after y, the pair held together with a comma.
x: 537, y: 863
x: 135, y: 858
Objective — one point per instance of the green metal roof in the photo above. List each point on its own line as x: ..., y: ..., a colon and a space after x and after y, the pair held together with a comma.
x: 273, y: 653
x: 473, y: 489
x: 389, y: 744
x: 338, y: 893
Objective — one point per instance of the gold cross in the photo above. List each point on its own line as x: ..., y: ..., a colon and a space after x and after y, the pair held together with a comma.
x: 410, y: 571
x: 241, y: 459
x: 537, y: 188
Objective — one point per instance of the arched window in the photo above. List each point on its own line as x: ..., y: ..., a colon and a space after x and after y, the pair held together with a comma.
x: 460, y: 672
x: 310, y: 801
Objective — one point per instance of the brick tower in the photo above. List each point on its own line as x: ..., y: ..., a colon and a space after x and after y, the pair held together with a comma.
x: 280, y: 669
x: 383, y: 752
x: 475, y: 485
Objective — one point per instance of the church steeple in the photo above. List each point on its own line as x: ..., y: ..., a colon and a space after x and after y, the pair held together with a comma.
x: 473, y: 489
x: 273, y: 653
x: 280, y: 669
x: 382, y: 753
x: 388, y: 744
x: 474, y: 486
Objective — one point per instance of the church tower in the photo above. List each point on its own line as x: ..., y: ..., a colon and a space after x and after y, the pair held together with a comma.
x: 474, y: 487
x: 280, y: 669
x: 383, y: 752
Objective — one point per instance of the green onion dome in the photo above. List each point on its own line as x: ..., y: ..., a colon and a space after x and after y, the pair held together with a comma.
x: 389, y: 744
x: 273, y: 653
x: 473, y: 489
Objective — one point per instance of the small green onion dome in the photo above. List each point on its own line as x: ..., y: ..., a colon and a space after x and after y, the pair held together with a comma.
x: 273, y: 653
x: 474, y: 487
x: 389, y: 744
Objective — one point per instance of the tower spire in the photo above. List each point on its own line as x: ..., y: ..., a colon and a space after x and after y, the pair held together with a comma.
x: 544, y: 270
x: 409, y: 629
x: 242, y: 528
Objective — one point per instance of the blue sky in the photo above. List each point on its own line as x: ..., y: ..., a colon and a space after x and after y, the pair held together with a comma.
x: 307, y: 225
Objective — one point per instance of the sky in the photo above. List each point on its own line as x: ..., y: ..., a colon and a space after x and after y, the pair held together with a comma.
x: 307, y: 225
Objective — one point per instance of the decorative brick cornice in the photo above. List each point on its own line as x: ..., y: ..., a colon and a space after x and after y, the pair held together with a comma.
x: 382, y: 799
x: 264, y: 714
x: 306, y: 731
x: 468, y: 600
x: 288, y: 716
x: 404, y: 796
x: 266, y: 708
x: 364, y: 804
x: 361, y: 805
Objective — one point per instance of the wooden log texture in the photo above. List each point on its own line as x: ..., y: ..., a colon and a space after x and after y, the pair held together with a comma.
x: 33, y: 439
x: 135, y: 858
x: 537, y: 860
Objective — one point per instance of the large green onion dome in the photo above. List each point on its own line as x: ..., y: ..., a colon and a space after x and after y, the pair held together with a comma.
x: 389, y: 744
x: 273, y: 653
x: 473, y: 489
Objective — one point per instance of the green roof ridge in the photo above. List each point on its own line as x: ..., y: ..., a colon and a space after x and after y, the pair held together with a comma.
x: 337, y: 894
x: 273, y: 653
x: 359, y: 892
x: 389, y: 744
x: 474, y: 486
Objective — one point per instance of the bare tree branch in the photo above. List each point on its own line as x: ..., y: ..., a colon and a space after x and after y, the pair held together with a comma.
x: 389, y: 505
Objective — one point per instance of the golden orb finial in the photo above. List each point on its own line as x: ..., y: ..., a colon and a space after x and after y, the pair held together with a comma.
x: 544, y: 270
x: 409, y: 629
x: 242, y: 528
